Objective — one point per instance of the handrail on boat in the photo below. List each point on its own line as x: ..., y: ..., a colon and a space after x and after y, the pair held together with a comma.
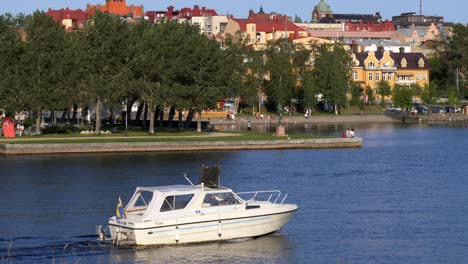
x: 274, y: 194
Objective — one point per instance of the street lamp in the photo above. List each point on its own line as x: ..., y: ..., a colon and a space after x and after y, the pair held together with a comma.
x: 124, y: 109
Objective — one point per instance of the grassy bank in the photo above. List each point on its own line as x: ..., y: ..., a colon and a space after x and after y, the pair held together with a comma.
x: 160, y: 137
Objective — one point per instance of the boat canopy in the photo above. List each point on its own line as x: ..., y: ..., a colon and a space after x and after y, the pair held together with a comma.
x: 168, y: 201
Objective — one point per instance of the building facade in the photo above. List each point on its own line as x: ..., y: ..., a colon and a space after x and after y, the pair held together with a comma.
x: 207, y: 20
x: 409, y: 19
x: 260, y: 31
x: 70, y: 19
x: 397, y: 68
x: 119, y: 8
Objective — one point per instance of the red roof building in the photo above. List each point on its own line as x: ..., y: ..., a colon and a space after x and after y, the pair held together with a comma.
x: 261, y: 30
x: 369, y: 26
x: 70, y: 19
x: 119, y: 8
x: 185, y: 13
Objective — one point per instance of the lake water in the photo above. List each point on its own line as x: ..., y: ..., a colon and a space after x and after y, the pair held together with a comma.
x: 402, y: 198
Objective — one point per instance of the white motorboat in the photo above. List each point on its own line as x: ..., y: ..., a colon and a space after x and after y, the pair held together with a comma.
x: 179, y: 214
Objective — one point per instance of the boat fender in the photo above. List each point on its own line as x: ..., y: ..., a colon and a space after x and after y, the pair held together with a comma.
x: 220, y: 229
x: 177, y: 234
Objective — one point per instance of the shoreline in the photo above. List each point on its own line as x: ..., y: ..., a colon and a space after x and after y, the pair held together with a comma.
x: 7, y: 149
x: 347, y: 118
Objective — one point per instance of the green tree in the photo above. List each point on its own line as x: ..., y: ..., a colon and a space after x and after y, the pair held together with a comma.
x: 331, y: 73
x: 256, y: 75
x: 356, y: 93
x: 297, y: 19
x: 383, y: 89
x: 370, y: 95
x: 402, y: 96
x: 457, y: 55
x: 244, y: 81
x: 429, y: 94
x: 203, y: 73
x: 151, y: 64
x: 10, y: 50
x: 279, y: 63
x: 105, y: 57
x: 41, y: 74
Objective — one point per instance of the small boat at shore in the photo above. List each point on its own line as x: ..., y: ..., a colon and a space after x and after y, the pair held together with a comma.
x: 181, y: 214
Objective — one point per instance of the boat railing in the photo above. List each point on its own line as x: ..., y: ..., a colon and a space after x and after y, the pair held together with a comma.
x: 273, y: 196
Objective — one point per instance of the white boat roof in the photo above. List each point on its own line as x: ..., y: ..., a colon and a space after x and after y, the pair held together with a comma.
x: 176, y: 188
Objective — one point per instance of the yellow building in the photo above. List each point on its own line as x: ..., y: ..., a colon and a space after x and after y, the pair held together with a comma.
x: 259, y: 31
x: 397, y: 68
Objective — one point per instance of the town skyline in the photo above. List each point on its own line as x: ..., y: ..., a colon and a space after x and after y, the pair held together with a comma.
x: 451, y: 10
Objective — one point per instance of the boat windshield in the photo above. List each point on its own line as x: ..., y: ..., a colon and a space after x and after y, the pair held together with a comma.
x: 140, y: 202
x: 175, y: 202
x: 216, y: 199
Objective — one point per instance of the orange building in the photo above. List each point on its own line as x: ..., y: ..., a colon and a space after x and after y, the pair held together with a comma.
x: 119, y: 8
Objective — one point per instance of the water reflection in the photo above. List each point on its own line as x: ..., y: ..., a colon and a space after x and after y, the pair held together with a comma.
x: 269, y: 249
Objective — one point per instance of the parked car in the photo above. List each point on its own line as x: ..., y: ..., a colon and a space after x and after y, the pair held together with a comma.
x: 436, y: 110
x: 393, y: 108
x: 422, y: 109
x: 450, y: 109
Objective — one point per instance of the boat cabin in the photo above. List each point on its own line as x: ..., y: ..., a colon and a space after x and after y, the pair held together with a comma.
x: 179, y: 200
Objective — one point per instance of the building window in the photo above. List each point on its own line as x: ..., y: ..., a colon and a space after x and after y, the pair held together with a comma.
x: 355, y: 75
x: 417, y: 77
x: 384, y: 76
x: 390, y: 76
x: 377, y: 76
x: 371, y: 64
x: 421, y: 63
x: 253, y: 28
x: 370, y: 76
x: 403, y: 63
x: 424, y: 76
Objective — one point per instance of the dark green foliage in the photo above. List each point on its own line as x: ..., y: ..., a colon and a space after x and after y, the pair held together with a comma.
x: 402, y: 96
x: 104, y: 61
x: 10, y: 49
x: 449, y: 66
x: 383, y: 90
x: 62, y: 129
x: 279, y: 63
x: 356, y: 94
x: 370, y: 95
x: 429, y: 94
x: 297, y: 19
x: 331, y: 74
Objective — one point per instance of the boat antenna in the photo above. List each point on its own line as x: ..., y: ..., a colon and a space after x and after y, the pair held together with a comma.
x: 185, y: 176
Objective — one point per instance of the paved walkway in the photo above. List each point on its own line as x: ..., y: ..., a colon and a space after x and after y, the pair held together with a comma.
x: 371, y: 118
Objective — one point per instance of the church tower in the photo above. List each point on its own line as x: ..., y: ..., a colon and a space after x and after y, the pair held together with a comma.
x: 321, y: 10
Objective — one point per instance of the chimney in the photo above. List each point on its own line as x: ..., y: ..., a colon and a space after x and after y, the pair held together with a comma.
x: 402, y: 50
x: 380, y: 49
x: 354, y: 47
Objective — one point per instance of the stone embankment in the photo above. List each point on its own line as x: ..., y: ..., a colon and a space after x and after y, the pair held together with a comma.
x: 121, y: 147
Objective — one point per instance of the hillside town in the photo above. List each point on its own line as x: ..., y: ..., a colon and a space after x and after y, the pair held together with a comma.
x: 381, y: 57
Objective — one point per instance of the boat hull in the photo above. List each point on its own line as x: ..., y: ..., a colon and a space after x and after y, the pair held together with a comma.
x: 205, y: 228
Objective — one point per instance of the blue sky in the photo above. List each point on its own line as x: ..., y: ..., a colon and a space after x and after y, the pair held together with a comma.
x: 452, y: 10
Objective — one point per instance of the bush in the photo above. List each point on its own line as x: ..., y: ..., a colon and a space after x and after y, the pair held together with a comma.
x: 60, y: 129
